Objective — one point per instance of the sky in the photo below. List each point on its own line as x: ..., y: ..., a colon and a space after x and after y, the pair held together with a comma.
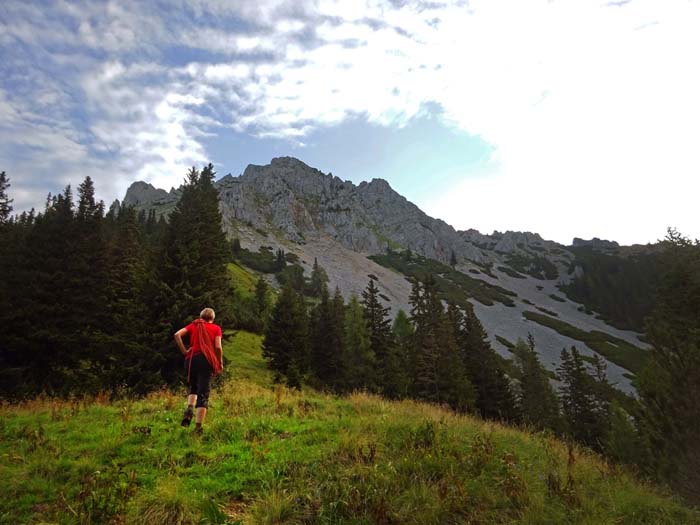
x: 569, y: 118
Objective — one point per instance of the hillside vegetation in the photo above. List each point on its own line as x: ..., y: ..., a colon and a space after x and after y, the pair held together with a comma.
x: 612, y: 348
x: 453, y: 286
x: 273, y: 455
x: 621, y: 288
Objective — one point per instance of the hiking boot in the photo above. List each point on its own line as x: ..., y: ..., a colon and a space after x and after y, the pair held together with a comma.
x: 187, y: 417
x: 198, y: 430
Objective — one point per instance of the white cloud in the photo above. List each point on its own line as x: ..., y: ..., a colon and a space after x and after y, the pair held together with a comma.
x: 592, y: 110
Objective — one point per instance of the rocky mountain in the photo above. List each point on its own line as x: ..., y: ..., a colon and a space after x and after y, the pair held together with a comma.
x: 292, y: 206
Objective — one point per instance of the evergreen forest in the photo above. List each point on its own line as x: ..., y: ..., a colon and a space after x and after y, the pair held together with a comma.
x: 90, y: 298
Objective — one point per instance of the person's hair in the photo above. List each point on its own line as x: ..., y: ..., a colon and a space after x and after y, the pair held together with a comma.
x: 208, y: 314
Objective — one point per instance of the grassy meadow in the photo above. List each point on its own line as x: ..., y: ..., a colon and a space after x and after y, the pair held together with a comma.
x: 274, y: 456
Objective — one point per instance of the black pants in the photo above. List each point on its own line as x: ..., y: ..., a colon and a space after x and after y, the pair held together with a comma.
x: 200, y: 372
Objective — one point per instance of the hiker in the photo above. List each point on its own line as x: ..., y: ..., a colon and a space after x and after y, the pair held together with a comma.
x: 203, y: 358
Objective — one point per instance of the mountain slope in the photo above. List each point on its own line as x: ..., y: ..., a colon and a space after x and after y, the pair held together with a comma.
x: 271, y: 455
x: 291, y: 206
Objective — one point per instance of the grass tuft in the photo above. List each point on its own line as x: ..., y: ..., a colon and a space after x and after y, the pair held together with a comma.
x: 168, y: 503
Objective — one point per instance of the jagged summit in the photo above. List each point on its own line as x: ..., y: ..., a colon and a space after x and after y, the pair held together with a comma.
x: 595, y: 243
x: 301, y: 203
x: 142, y: 192
x: 289, y: 205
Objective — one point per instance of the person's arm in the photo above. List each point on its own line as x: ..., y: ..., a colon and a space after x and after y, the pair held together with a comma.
x: 178, y: 340
x: 219, y: 350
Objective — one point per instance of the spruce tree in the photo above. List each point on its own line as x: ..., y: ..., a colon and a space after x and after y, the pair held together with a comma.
x: 360, y: 362
x: 455, y: 387
x: 379, y: 326
x: 439, y: 374
x: 538, y: 402
x: 12, y: 235
x: 669, y: 388
x: 495, y: 397
x: 262, y: 302
x: 88, y: 283
x: 293, y: 275
x: 623, y: 443
x: 326, y: 343
x: 424, y: 351
x: 236, y: 247
x: 286, y: 342
x: 280, y: 261
x: 583, y: 412
x: 131, y: 361
x: 192, y: 267
x: 399, y: 363
x: 337, y: 315
x: 318, y: 280
x: 49, y: 333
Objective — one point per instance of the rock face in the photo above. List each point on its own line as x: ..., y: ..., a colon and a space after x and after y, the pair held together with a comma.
x: 289, y: 205
x: 142, y: 195
x: 300, y: 203
x: 596, y: 243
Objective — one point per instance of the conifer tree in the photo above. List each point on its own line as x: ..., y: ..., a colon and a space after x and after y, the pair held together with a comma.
x: 319, y: 279
x: 236, y: 247
x: 262, y: 302
x: 455, y: 387
x: 401, y: 362
x: 360, y: 362
x: 192, y: 266
x: 424, y: 344
x: 439, y: 374
x: 495, y: 397
x: 326, y: 343
x: 378, y: 321
x: 539, y: 405
x: 337, y: 313
x: 89, y: 278
x: 130, y: 361
x: 623, y: 442
x: 285, y: 346
x: 293, y: 275
x: 583, y: 412
x: 669, y: 388
x: 280, y: 261
x: 12, y: 235
x: 50, y: 329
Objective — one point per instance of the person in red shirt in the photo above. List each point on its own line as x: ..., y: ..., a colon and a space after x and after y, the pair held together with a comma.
x: 203, y: 359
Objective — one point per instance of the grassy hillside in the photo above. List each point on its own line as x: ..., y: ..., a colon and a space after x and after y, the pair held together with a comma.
x: 612, y: 348
x: 453, y: 286
x: 242, y: 280
x: 270, y: 455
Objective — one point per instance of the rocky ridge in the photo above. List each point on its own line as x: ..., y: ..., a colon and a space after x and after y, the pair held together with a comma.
x: 292, y: 206
x: 300, y: 204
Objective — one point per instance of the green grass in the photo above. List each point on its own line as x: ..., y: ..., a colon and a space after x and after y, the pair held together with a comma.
x: 453, y: 286
x: 613, y: 349
x: 505, y: 342
x: 271, y: 455
x: 510, y: 272
x: 243, y: 280
x: 546, y: 311
x: 536, y: 266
